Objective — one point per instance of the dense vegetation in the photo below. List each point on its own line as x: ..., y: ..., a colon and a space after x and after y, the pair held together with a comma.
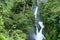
x: 17, y: 19
x: 50, y: 12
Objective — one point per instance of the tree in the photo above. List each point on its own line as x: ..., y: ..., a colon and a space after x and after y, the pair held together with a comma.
x: 50, y: 12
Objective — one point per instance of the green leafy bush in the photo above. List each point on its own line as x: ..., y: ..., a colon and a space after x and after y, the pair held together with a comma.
x: 2, y: 37
x: 50, y: 12
x: 1, y: 23
x: 16, y: 19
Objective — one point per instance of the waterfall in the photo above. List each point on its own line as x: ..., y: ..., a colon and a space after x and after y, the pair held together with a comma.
x: 39, y: 35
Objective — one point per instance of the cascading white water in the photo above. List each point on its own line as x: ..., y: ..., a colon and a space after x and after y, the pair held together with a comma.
x: 38, y: 35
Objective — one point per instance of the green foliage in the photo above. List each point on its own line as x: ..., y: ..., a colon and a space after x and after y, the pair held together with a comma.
x: 2, y: 37
x: 16, y: 19
x: 50, y: 13
x: 1, y: 23
x: 18, y: 35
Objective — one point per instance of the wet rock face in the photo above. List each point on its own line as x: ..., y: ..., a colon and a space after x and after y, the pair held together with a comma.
x: 31, y: 37
x: 41, y: 1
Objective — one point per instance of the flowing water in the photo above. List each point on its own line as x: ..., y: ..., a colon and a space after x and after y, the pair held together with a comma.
x: 39, y: 35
